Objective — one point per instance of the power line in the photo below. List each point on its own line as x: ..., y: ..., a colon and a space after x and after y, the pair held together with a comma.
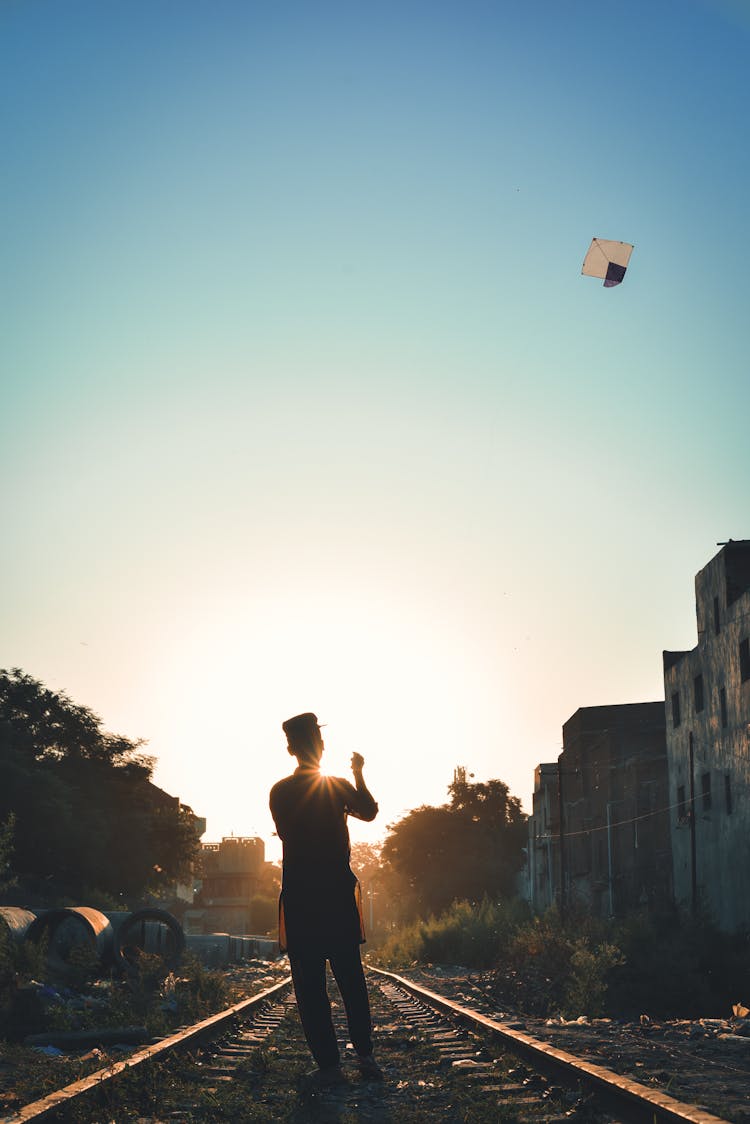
x: 619, y: 823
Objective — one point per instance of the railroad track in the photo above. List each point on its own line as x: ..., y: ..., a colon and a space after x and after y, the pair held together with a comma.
x: 443, y: 1062
x: 619, y: 1097
x: 235, y: 1032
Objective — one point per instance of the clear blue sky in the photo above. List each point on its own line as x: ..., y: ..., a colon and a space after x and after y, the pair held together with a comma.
x: 305, y: 403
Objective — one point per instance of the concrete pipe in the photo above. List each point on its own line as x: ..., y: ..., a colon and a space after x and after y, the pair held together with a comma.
x: 152, y: 931
x: 16, y: 921
x: 73, y: 931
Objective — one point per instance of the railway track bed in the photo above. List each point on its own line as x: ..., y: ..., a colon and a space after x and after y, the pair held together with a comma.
x: 256, y: 1072
x: 436, y: 1068
x: 702, y: 1061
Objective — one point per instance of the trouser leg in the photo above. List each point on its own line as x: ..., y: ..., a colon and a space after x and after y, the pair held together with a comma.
x: 346, y: 965
x: 314, y: 1006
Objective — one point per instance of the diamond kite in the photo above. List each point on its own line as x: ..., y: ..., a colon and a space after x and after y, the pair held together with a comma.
x: 608, y: 260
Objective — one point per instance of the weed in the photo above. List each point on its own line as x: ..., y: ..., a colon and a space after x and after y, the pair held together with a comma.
x: 667, y: 966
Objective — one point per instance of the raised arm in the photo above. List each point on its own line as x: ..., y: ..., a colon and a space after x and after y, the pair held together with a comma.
x: 364, y: 806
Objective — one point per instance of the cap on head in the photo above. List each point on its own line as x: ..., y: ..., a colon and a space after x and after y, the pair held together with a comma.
x: 301, y: 731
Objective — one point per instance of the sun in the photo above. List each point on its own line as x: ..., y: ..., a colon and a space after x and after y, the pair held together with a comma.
x: 378, y: 674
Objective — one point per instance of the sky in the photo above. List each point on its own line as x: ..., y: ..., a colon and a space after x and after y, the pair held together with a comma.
x: 306, y: 404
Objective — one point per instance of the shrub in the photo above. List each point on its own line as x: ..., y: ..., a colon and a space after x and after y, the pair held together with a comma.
x: 200, y: 991
x: 264, y: 912
x: 588, y: 979
x: 679, y: 966
x: 532, y: 974
x: 669, y: 966
x: 466, y: 934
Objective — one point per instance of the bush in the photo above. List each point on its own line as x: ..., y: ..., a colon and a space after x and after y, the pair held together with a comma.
x: 264, y: 912
x: 200, y: 991
x: 670, y: 966
x: 533, y: 974
x: 678, y: 966
x: 20, y: 962
x: 471, y: 935
x: 588, y: 980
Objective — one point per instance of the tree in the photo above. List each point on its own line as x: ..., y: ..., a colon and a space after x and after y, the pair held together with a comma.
x: 88, y: 822
x: 366, y: 862
x: 7, y: 878
x: 44, y: 724
x: 461, y: 851
x: 379, y: 907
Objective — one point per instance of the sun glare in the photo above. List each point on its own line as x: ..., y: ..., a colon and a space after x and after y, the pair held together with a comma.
x: 379, y: 678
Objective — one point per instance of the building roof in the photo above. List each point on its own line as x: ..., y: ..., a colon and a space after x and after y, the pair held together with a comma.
x: 599, y: 718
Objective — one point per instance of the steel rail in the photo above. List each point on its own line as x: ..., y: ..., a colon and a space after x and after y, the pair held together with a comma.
x: 207, y: 1028
x: 640, y: 1101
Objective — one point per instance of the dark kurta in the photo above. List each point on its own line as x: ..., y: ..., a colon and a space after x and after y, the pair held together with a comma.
x: 320, y: 905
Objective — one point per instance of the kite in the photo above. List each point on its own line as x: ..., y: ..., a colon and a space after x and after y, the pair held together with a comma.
x: 608, y: 260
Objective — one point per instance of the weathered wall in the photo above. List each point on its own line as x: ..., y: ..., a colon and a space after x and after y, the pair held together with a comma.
x: 615, y: 825
x: 543, y: 853
x: 708, y: 746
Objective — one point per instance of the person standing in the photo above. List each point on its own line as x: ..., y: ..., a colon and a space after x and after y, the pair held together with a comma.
x: 320, y: 908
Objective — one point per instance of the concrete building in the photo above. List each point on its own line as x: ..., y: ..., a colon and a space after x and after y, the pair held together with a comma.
x: 543, y: 855
x: 707, y: 694
x: 230, y: 874
x: 614, y: 854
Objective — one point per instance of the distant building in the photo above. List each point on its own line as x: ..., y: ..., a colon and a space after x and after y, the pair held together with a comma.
x: 707, y: 693
x: 543, y: 862
x: 614, y: 849
x: 231, y: 872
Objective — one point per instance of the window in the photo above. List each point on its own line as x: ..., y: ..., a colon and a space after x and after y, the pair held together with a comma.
x: 745, y: 659
x: 681, y: 805
x: 717, y: 622
x: 698, y: 693
x: 723, y: 707
x: 728, y: 792
x: 706, y: 791
x: 676, y: 709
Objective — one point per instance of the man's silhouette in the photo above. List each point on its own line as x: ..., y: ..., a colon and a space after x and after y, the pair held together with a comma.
x: 320, y: 914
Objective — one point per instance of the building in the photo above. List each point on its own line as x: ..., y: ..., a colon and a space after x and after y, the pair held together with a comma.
x: 614, y: 853
x: 707, y: 694
x: 543, y: 857
x: 231, y: 873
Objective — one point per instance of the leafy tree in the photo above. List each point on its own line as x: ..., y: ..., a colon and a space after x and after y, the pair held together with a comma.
x: 7, y: 878
x: 375, y: 880
x: 88, y: 822
x: 44, y: 724
x: 366, y: 862
x: 466, y: 850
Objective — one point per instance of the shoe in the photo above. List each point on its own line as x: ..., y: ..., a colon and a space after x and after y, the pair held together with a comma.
x: 369, y: 1068
x: 323, y: 1078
